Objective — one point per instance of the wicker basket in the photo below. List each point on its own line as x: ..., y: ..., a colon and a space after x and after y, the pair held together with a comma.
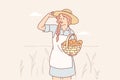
x: 72, y: 47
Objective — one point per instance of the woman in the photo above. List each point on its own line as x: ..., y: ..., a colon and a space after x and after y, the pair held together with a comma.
x: 62, y: 66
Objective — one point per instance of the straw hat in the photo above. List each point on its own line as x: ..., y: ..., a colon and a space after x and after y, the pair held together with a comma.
x: 75, y: 20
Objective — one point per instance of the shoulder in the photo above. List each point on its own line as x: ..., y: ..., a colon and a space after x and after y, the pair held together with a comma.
x: 72, y: 31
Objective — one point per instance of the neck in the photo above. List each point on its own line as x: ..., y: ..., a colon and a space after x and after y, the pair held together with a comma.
x: 64, y: 27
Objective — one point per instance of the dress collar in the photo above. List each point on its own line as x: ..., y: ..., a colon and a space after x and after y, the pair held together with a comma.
x: 66, y: 32
x: 68, y: 28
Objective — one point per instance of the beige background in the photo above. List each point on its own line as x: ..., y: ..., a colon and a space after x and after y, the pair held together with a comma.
x: 24, y: 50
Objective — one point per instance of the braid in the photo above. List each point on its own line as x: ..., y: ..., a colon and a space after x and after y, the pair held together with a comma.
x: 58, y: 32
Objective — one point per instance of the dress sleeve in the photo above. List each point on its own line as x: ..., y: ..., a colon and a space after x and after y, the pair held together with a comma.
x: 51, y: 28
x: 47, y: 28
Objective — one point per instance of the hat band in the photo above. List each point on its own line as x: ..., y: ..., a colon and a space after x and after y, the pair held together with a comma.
x: 67, y: 12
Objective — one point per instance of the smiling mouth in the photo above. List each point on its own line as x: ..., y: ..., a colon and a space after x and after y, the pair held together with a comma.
x: 61, y: 22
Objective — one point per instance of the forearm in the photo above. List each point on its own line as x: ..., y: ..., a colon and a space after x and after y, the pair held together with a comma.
x: 41, y: 24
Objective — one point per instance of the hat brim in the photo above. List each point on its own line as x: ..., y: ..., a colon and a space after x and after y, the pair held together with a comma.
x: 75, y: 20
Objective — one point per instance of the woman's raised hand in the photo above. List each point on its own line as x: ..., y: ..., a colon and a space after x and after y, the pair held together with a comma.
x: 51, y: 14
x: 42, y: 23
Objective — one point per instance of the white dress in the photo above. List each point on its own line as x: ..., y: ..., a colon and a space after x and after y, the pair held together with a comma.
x: 58, y: 59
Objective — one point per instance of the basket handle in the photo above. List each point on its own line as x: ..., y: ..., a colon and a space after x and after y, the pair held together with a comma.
x: 67, y: 40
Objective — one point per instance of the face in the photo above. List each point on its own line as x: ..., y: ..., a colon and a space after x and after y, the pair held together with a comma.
x: 62, y: 20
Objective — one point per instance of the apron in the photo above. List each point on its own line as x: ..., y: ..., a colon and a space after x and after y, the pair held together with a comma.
x: 58, y: 58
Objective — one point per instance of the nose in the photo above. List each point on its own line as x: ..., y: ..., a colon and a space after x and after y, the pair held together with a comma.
x: 61, y: 18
